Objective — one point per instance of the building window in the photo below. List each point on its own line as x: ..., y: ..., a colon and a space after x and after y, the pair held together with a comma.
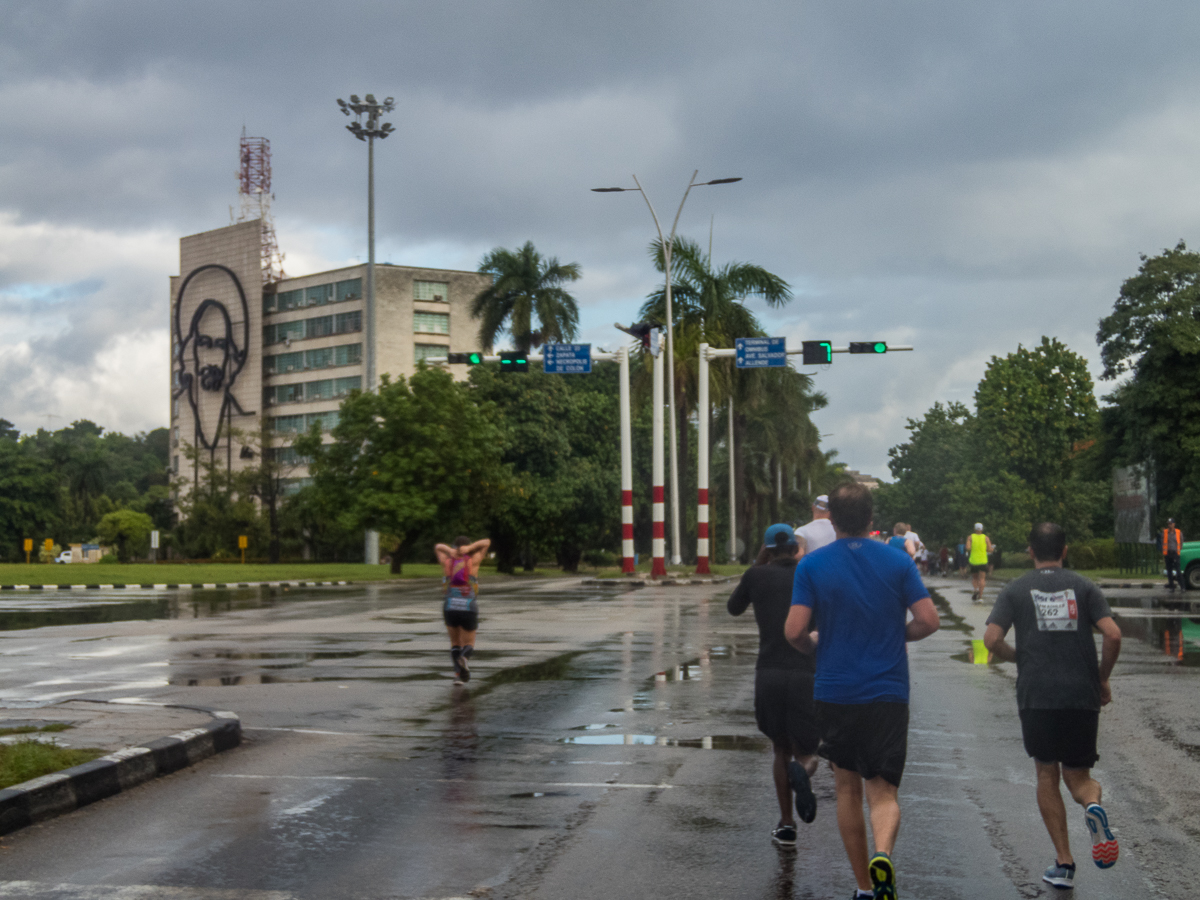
x: 435, y: 291
x: 424, y: 351
x: 175, y: 408
x: 176, y: 436
x: 288, y: 456
x: 287, y: 424
x: 284, y: 332
x: 319, y: 295
x: 319, y: 390
x: 343, y: 386
x: 290, y: 486
x: 318, y: 359
x: 431, y: 323
x: 347, y: 355
x: 344, y: 323
x: 349, y: 290
x: 175, y: 465
x: 326, y: 420
x: 318, y: 327
x: 284, y: 362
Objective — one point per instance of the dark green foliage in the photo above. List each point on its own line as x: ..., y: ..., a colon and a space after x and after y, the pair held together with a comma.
x: 61, y: 484
x: 419, y: 460
x: 1029, y: 453
x: 1152, y: 339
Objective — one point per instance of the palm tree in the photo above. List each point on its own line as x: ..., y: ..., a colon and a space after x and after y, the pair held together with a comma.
x: 709, y: 306
x: 526, y: 285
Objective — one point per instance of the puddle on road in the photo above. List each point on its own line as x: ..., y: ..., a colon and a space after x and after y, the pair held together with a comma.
x: 755, y: 743
x: 1176, y: 637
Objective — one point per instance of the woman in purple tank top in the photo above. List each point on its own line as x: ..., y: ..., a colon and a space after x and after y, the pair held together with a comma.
x: 460, y: 609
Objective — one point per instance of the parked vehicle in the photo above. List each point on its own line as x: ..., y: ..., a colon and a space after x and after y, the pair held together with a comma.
x: 64, y: 557
x: 1189, y: 564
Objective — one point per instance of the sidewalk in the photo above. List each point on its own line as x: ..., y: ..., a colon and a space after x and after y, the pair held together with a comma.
x: 142, y: 741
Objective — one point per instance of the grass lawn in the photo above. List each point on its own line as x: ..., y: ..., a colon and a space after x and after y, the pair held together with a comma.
x: 30, y: 759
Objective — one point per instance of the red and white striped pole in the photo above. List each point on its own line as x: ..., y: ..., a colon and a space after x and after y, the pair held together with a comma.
x: 627, y: 567
x: 702, y: 473
x: 658, y: 567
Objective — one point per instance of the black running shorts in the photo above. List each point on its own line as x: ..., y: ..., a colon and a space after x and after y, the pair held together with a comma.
x: 868, y: 738
x: 1066, y: 736
x: 461, y: 618
x: 979, y: 568
x: 783, y: 709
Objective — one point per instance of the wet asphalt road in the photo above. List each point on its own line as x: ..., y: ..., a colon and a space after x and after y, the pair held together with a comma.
x: 605, y: 748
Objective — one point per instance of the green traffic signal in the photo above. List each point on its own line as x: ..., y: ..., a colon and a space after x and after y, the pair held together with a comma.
x: 512, y: 361
x: 868, y: 347
x: 817, y: 353
x: 474, y: 359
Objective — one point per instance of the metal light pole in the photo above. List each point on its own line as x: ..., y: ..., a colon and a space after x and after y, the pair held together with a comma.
x: 370, y: 108
x: 668, y: 246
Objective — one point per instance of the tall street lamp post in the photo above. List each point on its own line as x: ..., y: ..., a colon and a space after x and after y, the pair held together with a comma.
x: 367, y: 131
x: 373, y: 129
x: 668, y: 246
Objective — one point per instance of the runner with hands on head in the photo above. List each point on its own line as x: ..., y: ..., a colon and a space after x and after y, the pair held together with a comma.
x: 460, y: 608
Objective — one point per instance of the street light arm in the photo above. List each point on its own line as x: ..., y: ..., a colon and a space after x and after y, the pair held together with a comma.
x: 653, y: 214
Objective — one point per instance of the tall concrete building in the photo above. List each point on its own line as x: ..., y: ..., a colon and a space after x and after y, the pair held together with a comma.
x: 289, y: 352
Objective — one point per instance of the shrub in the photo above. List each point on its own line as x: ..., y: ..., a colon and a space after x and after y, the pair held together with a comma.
x: 109, y: 559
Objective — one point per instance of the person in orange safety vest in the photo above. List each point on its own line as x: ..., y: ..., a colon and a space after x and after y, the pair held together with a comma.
x: 1172, y: 541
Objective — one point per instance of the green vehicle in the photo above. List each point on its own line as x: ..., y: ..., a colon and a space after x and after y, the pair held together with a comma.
x: 1189, y: 564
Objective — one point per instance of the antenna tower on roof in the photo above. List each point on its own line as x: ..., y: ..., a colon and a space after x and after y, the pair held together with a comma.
x: 254, y: 190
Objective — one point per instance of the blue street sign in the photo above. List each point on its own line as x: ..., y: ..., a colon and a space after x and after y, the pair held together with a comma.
x: 567, y: 359
x: 761, y: 353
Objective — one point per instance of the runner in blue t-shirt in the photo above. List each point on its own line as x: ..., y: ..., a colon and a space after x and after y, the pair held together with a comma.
x: 857, y: 593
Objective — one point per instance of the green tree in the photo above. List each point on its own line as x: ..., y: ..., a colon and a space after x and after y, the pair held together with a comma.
x: 28, y: 497
x: 526, y: 286
x: 419, y: 459
x: 129, y: 530
x: 561, y: 444
x: 1152, y: 340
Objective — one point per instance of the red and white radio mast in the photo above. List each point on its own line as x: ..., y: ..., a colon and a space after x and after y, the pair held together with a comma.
x: 254, y: 189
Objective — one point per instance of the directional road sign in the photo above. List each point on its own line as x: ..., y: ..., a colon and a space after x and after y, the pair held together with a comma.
x: 567, y: 359
x: 761, y: 353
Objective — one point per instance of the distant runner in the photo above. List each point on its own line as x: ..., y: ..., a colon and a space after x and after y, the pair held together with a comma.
x: 460, y: 610
x: 1060, y: 688
x: 897, y: 539
x: 819, y: 532
x: 979, y: 548
x: 858, y: 593
x: 783, y: 680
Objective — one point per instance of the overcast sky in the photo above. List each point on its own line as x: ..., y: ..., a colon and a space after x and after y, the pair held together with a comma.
x: 960, y: 177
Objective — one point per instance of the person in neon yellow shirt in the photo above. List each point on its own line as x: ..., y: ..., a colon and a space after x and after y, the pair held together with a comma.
x: 979, y: 548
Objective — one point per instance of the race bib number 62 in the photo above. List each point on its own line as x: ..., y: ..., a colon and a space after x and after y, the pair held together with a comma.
x: 1056, y: 611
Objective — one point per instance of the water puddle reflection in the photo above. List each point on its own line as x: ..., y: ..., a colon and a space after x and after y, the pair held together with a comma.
x: 755, y: 743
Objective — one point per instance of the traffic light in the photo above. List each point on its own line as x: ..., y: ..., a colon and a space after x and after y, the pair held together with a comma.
x: 512, y: 361
x: 643, y: 331
x: 817, y: 353
x: 466, y: 359
x: 868, y: 346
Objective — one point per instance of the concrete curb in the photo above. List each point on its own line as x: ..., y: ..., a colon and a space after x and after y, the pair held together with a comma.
x: 657, y: 582
x: 61, y: 792
x: 168, y: 587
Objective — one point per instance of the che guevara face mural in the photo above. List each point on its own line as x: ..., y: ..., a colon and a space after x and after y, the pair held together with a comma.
x: 210, y: 343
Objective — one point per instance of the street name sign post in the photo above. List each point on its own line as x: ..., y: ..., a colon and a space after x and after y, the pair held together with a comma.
x: 761, y: 353
x: 567, y: 359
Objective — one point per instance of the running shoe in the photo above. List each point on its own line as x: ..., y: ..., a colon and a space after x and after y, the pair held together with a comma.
x: 1059, y: 876
x: 784, y: 835
x: 883, y: 877
x: 464, y: 667
x: 806, y: 800
x: 1104, y: 844
x: 862, y: 895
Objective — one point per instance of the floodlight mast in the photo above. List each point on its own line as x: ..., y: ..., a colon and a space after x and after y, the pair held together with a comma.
x: 372, y: 110
x: 668, y: 246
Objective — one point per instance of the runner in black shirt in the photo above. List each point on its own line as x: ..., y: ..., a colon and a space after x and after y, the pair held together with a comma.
x: 783, y: 683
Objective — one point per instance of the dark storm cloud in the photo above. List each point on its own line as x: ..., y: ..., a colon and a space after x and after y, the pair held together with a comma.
x: 967, y: 175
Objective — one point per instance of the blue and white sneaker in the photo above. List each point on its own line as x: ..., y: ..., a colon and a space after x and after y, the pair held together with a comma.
x: 1060, y: 876
x: 1104, y: 844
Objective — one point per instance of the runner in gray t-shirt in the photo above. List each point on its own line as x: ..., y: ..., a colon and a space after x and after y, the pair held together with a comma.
x: 1060, y: 688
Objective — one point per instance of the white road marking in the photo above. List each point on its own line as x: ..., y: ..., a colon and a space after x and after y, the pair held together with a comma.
x: 305, y: 777
x: 312, y: 731
x: 30, y: 890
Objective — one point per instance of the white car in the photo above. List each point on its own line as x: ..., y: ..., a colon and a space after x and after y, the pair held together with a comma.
x: 64, y: 557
